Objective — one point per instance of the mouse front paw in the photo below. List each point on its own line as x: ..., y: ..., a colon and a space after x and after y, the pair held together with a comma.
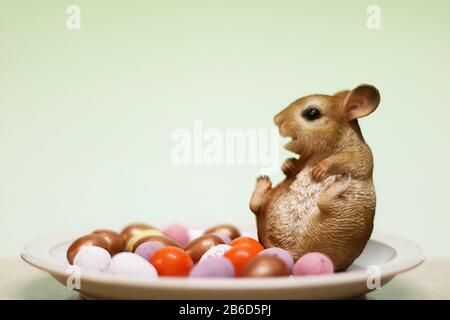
x: 320, y: 170
x: 289, y: 167
x: 263, y: 183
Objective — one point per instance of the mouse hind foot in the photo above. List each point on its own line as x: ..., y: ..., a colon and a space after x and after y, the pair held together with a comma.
x: 263, y: 185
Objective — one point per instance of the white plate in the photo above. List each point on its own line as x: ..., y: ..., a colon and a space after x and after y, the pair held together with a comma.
x: 389, y: 254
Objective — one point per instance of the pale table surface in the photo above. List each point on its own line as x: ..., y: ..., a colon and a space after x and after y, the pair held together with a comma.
x: 431, y: 280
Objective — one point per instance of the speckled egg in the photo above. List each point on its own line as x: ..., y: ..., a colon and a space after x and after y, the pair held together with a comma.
x: 146, y: 249
x: 216, y: 251
x: 132, y: 265
x: 214, y: 267
x: 313, y: 263
x: 92, y: 259
x: 86, y: 241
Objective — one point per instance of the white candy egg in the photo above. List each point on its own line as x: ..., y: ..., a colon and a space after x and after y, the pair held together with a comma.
x: 130, y: 264
x: 93, y: 259
x: 216, y: 251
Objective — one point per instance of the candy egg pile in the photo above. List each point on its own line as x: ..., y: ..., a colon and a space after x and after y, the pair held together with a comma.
x: 143, y: 251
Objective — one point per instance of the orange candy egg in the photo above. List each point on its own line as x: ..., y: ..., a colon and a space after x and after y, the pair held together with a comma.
x: 172, y: 261
x: 240, y: 256
x: 247, y: 242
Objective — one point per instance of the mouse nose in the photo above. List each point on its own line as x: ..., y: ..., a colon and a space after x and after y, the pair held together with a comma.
x: 278, y: 119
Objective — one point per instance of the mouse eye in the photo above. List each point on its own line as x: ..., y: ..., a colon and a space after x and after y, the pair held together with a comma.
x: 311, y: 114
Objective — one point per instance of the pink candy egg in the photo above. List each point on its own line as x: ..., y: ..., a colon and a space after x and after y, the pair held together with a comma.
x: 313, y: 263
x: 214, y: 267
x: 146, y: 249
x: 178, y: 233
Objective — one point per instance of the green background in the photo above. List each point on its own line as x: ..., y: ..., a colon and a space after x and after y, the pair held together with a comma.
x: 86, y: 115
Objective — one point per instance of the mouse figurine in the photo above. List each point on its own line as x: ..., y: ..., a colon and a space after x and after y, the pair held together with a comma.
x: 326, y: 203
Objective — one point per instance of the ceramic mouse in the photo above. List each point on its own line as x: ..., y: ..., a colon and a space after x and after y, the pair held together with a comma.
x: 326, y: 203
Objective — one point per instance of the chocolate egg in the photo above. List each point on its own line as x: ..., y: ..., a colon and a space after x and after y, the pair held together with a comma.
x: 165, y: 241
x: 133, y: 230
x: 197, y: 247
x: 226, y: 229
x: 265, y: 266
x: 226, y: 239
x: 89, y: 240
x: 115, y: 240
x: 281, y: 254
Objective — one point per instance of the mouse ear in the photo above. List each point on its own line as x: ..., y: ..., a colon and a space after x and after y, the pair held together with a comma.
x: 361, y: 101
x: 342, y: 94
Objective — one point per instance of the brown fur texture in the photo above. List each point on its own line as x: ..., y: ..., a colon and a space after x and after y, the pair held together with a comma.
x: 327, y: 201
